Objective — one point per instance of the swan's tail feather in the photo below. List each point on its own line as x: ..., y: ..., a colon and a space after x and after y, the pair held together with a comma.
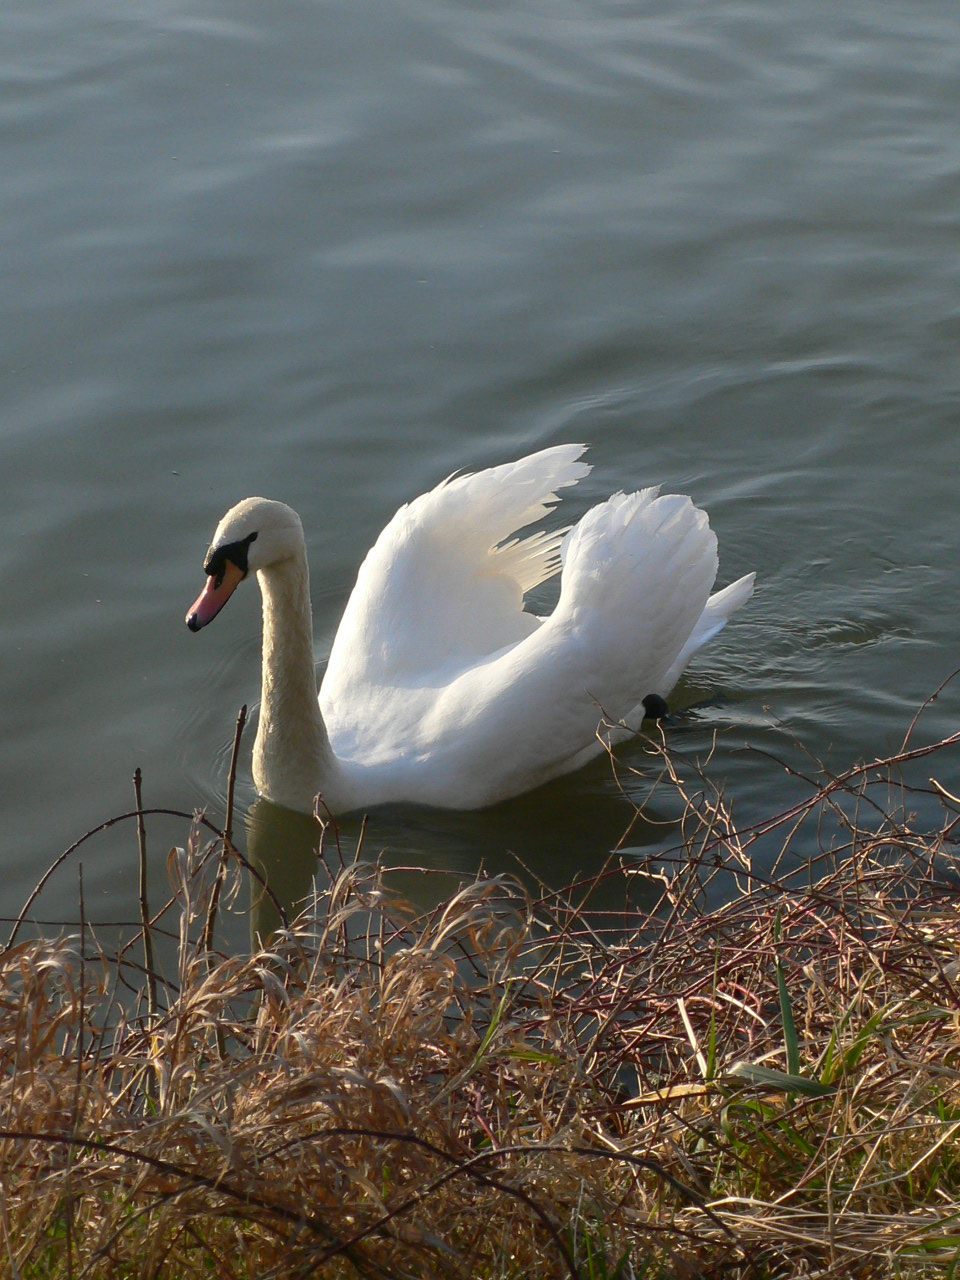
x: 716, y: 614
x: 719, y: 608
x: 726, y: 602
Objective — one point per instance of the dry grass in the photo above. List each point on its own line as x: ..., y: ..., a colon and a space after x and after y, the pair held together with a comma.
x: 510, y: 1085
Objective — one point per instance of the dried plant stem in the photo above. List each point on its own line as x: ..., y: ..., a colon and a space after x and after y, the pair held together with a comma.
x: 144, y: 903
x: 232, y: 777
x: 227, y: 847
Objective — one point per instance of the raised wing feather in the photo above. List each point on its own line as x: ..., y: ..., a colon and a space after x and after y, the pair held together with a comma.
x: 443, y: 585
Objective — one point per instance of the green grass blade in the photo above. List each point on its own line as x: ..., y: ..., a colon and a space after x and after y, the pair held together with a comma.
x: 770, y: 1078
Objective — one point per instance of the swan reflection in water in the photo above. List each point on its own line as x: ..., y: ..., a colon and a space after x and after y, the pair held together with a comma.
x: 551, y: 837
x: 282, y: 847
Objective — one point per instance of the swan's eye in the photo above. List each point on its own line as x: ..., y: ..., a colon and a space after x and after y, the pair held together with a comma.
x: 236, y: 552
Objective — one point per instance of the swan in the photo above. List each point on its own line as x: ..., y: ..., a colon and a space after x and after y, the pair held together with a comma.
x: 441, y: 689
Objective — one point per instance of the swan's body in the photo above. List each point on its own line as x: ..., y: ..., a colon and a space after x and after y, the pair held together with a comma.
x: 440, y: 688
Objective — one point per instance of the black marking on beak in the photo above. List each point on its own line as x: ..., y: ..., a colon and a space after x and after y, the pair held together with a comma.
x: 236, y: 552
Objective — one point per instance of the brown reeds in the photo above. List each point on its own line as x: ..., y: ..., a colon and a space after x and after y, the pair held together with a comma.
x: 760, y: 1083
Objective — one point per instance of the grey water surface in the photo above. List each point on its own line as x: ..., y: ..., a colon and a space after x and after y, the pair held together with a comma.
x: 331, y: 252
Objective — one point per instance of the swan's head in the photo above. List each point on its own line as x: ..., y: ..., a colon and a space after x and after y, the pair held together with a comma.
x: 252, y: 535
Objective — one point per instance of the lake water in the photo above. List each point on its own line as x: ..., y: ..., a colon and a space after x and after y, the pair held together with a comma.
x: 332, y: 252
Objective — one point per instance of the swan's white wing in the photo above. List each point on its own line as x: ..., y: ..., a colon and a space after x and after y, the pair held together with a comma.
x: 443, y: 585
x: 636, y: 580
x: 445, y: 693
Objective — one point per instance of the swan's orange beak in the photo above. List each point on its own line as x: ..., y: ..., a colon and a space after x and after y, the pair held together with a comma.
x: 214, y: 596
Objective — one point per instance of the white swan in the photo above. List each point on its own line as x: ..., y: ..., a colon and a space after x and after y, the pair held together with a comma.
x: 440, y: 688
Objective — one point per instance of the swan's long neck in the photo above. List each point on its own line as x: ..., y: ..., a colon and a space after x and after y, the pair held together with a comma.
x: 291, y: 755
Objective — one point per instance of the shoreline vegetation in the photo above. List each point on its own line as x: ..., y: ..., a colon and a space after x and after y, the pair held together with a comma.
x: 510, y: 1084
